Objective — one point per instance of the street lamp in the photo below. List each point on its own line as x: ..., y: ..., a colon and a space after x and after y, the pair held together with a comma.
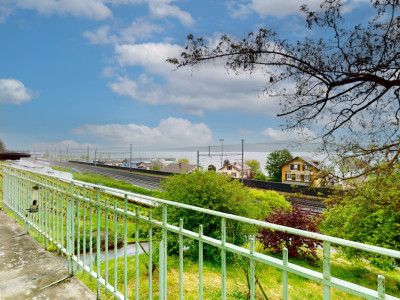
x: 222, y: 148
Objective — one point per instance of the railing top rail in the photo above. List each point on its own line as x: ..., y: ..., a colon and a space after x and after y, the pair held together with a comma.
x: 316, y: 236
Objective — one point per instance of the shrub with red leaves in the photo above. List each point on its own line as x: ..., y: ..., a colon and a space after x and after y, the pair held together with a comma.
x: 297, y: 245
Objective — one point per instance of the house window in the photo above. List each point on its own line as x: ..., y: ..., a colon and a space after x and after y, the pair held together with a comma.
x: 294, y: 167
x: 234, y: 174
x: 229, y: 167
x: 225, y: 173
x: 298, y: 177
x: 288, y: 176
x: 306, y: 167
x: 307, y: 178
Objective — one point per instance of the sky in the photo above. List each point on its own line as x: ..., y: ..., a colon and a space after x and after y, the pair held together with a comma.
x: 78, y: 73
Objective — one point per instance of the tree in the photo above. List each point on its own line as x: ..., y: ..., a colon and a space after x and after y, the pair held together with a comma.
x: 183, y: 161
x: 367, y: 211
x: 2, y: 147
x: 254, y: 165
x: 344, y: 76
x: 274, y: 161
x: 156, y: 167
x: 212, y: 168
x: 260, y: 176
x: 207, y: 190
x: 218, y: 192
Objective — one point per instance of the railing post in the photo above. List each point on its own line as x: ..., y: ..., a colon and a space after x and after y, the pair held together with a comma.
x: 98, y: 248
x: 252, y: 274
x: 223, y: 259
x: 180, y: 260
x: 163, y: 256
x: 70, y: 220
x: 161, y: 270
x: 200, y: 262
x: 327, y: 269
x: 285, y: 274
x: 381, y: 287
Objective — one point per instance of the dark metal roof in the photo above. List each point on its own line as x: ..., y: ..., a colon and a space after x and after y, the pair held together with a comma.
x: 12, y: 155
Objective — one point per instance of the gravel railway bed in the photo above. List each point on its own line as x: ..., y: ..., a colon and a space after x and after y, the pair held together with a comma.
x: 148, y: 182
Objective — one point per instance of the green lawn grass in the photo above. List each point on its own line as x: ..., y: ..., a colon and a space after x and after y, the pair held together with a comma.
x: 270, y: 279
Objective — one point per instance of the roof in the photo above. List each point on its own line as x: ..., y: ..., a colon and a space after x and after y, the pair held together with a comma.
x: 307, y: 159
x: 179, y: 168
x: 13, y: 155
x: 238, y: 166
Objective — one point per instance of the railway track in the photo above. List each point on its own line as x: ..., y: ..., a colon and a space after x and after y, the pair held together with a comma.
x: 315, y: 206
x: 146, y: 181
x: 153, y: 183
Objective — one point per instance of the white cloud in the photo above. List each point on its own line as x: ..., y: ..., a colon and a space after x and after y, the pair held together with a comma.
x: 140, y: 29
x: 125, y: 86
x: 14, y: 91
x: 206, y: 88
x: 242, y: 8
x: 92, y: 9
x: 270, y: 7
x: 100, y: 36
x: 70, y: 144
x: 5, y: 11
x: 169, y: 132
x: 161, y: 9
x: 289, y: 135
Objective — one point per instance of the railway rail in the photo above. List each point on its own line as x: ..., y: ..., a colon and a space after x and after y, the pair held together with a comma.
x: 146, y: 181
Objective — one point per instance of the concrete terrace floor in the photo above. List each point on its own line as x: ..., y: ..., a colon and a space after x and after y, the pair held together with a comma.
x: 26, y: 267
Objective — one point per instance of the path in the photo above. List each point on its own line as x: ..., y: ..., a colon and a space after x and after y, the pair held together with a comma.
x: 26, y: 268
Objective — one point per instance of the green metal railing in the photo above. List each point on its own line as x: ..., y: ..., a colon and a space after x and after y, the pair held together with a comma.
x: 65, y: 218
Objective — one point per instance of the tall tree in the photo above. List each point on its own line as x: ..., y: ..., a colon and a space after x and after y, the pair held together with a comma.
x: 183, y: 161
x: 274, y: 161
x: 254, y: 165
x: 368, y: 211
x: 346, y: 80
x: 2, y: 147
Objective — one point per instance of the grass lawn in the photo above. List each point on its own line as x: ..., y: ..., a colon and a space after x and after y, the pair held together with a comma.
x: 270, y: 278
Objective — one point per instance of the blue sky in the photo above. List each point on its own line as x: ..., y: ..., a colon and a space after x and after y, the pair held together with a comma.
x: 93, y: 72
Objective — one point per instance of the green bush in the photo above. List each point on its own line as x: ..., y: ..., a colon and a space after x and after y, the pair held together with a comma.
x: 217, y: 192
x: 260, y: 176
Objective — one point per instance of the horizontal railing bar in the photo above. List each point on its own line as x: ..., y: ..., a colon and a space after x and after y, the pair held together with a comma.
x: 315, y: 276
x: 317, y: 236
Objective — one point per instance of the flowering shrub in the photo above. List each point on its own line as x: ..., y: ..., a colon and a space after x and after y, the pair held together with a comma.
x: 297, y: 245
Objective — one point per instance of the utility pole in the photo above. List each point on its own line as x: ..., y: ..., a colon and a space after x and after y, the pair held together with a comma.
x: 209, y: 150
x: 222, y: 150
x: 67, y: 154
x: 88, y: 159
x: 242, y: 157
x: 130, y: 160
x: 95, y: 157
x: 198, y: 160
x: 60, y: 154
